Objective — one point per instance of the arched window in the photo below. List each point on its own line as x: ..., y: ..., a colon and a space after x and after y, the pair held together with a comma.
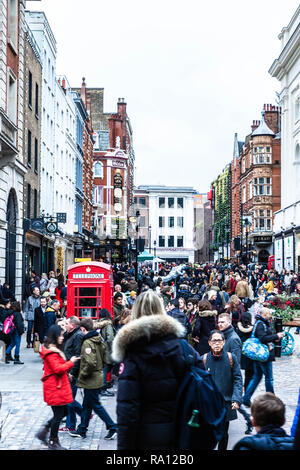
x: 98, y: 170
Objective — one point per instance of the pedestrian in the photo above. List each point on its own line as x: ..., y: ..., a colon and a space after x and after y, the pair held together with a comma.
x: 179, y: 313
x: 54, y: 308
x: 31, y: 304
x: 43, y: 283
x: 166, y: 294
x: 235, y: 309
x: 56, y: 385
x: 8, y: 293
x: 242, y: 289
x: 192, y: 314
x: 131, y: 299
x: 5, y: 311
x: 262, y: 331
x: 225, y: 370
x: 119, y: 306
x: 90, y: 378
x: 205, y: 323
x: 295, y: 429
x: 152, y: 366
x: 58, y: 291
x: 244, y: 330
x: 15, y: 334
x: 268, y: 417
x: 105, y: 327
x: 52, y: 284
x: 72, y: 347
x: 40, y: 324
x: 233, y: 344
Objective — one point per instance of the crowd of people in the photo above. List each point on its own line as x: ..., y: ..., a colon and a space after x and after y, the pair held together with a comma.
x: 215, y: 308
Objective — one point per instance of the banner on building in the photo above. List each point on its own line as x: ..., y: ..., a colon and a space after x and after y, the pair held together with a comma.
x: 289, y: 252
x: 278, y: 255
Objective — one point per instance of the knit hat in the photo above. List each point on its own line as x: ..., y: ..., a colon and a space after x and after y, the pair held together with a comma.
x: 132, y: 293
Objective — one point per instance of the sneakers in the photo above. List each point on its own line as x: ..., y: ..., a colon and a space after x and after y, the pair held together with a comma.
x: 106, y: 393
x: 77, y: 434
x: 65, y: 429
x: 111, y: 434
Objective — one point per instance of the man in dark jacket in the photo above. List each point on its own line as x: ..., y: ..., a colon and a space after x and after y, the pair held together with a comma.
x: 262, y: 331
x: 72, y: 347
x: 268, y: 417
x: 40, y: 324
x: 90, y: 378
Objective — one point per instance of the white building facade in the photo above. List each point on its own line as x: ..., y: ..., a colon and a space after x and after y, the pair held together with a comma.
x: 286, y: 68
x: 171, y: 218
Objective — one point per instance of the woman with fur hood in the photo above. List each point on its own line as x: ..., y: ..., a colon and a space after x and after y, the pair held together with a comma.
x: 56, y: 385
x: 205, y: 323
x: 152, y: 365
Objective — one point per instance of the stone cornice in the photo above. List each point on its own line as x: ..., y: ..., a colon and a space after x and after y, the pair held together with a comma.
x: 287, y: 57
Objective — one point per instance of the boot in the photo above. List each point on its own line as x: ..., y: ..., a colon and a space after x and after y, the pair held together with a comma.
x: 17, y: 360
x: 8, y: 358
x: 42, y: 433
x: 54, y: 444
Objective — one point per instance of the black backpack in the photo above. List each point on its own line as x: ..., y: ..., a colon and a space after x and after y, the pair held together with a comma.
x: 200, y: 409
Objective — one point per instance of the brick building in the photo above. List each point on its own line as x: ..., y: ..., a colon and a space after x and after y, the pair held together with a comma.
x: 260, y: 182
x: 236, y: 196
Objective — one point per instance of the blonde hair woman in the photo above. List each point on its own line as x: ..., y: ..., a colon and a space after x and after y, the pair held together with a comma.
x: 152, y: 366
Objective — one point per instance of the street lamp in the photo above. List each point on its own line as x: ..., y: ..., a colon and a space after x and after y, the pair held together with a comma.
x: 154, y: 248
x: 150, y: 228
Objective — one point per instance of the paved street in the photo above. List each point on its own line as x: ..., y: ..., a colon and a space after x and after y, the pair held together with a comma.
x: 23, y: 409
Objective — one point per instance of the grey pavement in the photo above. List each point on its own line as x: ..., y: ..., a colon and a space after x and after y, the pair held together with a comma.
x: 23, y: 409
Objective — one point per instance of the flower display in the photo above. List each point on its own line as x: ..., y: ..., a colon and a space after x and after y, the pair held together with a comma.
x: 284, y: 306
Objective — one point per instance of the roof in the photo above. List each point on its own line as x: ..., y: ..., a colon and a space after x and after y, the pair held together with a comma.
x: 263, y: 128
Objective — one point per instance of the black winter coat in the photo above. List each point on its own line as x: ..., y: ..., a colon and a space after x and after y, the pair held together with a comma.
x: 233, y: 342
x: 182, y: 318
x: 152, y: 367
x: 72, y: 347
x: 205, y: 323
x: 19, y: 323
x: 40, y: 324
x: 264, y: 333
x: 244, y: 334
x: 268, y: 438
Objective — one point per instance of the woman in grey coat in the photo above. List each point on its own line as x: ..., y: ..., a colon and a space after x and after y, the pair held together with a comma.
x: 225, y: 370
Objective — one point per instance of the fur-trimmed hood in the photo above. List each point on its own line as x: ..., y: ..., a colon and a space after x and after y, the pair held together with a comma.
x: 145, y: 327
x: 102, y: 323
x: 208, y: 313
x: 51, y: 349
x: 243, y: 329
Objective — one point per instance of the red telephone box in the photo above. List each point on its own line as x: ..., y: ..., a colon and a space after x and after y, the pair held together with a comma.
x: 90, y: 288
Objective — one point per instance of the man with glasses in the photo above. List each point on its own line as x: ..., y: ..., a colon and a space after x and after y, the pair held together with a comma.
x: 233, y: 344
x: 225, y: 370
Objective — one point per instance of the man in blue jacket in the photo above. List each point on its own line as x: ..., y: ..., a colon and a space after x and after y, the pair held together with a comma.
x: 268, y: 417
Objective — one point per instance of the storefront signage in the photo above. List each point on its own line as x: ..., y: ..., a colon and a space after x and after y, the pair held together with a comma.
x: 289, y: 252
x: 37, y: 224
x: 263, y: 239
x: 88, y: 276
x: 278, y: 255
x: 82, y: 260
x: 51, y: 227
x: 118, y: 164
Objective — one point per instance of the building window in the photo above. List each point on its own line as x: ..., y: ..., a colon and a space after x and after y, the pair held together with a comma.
x: 171, y: 203
x: 161, y: 202
x: 13, y: 23
x: 142, y: 202
x: 36, y: 100
x: 29, y: 147
x: 297, y: 109
x: 262, y: 155
x: 161, y: 241
x: 179, y: 221
x: 250, y: 190
x: 12, y: 97
x: 28, y: 201
x: 170, y: 241
x: 244, y: 194
x: 263, y: 220
x: 36, y: 154
x: 161, y: 222
x: 262, y: 186
x: 171, y: 222
x: 98, y: 170
x: 180, y: 242
x: 35, y: 203
x: 180, y: 202
x: 29, y: 89
x: 97, y: 195
x: 142, y: 221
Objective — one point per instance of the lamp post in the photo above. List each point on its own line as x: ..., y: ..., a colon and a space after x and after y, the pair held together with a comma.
x: 137, y: 215
x: 149, y: 228
x: 154, y: 248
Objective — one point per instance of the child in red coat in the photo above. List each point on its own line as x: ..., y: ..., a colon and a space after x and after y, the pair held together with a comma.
x: 56, y: 385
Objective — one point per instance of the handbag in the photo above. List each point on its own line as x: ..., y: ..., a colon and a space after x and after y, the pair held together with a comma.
x: 36, y: 346
x: 254, y: 349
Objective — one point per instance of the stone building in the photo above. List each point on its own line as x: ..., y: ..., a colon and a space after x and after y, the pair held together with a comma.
x: 12, y: 169
x: 286, y: 68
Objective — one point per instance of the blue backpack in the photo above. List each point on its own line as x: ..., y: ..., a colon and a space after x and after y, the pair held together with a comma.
x: 200, y: 409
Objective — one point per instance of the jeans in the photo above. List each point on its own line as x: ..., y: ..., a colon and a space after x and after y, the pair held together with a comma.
x: 58, y: 413
x: 260, y: 369
x: 91, y: 401
x: 29, y: 335
x: 73, y: 408
x: 15, y: 341
x: 222, y: 445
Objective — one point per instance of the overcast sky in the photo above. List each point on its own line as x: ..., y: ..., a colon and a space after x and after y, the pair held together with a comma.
x: 192, y: 73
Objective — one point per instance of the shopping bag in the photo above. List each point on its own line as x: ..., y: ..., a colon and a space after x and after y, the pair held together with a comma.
x: 36, y: 346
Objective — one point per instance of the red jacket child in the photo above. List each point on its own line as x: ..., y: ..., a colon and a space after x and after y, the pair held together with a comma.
x: 56, y: 385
